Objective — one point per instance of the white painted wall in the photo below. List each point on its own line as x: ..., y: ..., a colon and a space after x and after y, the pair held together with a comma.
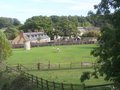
x: 27, y: 45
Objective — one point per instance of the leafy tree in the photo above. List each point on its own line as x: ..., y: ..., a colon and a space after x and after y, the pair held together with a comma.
x: 16, y: 22
x: 108, y: 50
x: 109, y: 47
x: 7, y: 22
x: 56, y: 26
x: 96, y: 19
x: 11, y: 33
x: 53, y: 25
x: 5, y: 47
x: 74, y: 19
x: 66, y: 27
x: 41, y: 23
x: 4, y: 22
x: 61, y: 25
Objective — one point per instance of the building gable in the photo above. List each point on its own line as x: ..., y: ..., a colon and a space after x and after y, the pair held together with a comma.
x: 31, y: 36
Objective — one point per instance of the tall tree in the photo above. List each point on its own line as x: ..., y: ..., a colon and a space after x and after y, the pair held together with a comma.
x: 108, y: 50
x: 53, y: 25
x: 5, y: 47
x: 66, y: 26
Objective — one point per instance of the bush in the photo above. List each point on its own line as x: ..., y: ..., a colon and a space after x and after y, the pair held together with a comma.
x: 91, y: 33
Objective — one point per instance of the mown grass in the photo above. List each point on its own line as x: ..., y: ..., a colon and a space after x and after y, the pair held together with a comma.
x: 66, y: 54
x: 68, y: 76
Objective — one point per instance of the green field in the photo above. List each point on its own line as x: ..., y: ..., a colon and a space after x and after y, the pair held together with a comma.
x: 66, y: 54
x: 68, y: 76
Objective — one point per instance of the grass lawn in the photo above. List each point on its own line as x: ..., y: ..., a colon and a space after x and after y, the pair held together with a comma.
x: 66, y: 54
x: 68, y: 76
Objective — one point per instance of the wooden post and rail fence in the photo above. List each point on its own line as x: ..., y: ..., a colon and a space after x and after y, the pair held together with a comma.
x: 58, y: 66
x: 43, y: 84
x: 55, y: 43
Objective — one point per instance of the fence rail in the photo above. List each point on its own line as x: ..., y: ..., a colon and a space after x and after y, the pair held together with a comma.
x: 43, y: 84
x: 100, y: 87
x: 48, y: 85
x: 54, y: 43
x: 57, y: 66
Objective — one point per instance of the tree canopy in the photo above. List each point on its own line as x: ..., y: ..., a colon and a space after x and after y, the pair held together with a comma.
x: 7, y: 22
x: 53, y: 26
x: 58, y: 25
x: 92, y: 33
x: 5, y: 47
x: 11, y: 33
x: 108, y: 50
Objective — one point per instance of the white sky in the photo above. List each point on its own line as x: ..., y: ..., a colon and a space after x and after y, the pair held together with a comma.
x: 24, y: 9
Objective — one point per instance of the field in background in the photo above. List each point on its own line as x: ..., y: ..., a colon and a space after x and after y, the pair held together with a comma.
x: 57, y: 54
x: 54, y: 54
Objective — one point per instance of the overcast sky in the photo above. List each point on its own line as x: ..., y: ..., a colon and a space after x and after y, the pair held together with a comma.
x: 24, y: 9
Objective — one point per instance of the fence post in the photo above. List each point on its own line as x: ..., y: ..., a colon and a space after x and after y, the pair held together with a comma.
x: 37, y: 82
x: 32, y: 78
x: 59, y: 66
x: 38, y: 66
x: 18, y: 67
x: 53, y: 85
x: 49, y: 65
x: 62, y: 86
x: 47, y: 85
x: 83, y: 86
x: 42, y: 83
x: 70, y: 65
x: 71, y: 86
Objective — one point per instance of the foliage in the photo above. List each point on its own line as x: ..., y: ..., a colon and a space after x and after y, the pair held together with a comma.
x: 5, y: 47
x: 108, y: 50
x: 20, y: 83
x: 91, y: 33
x: 67, y: 54
x: 7, y: 22
x: 40, y: 23
x: 11, y: 33
x: 96, y: 19
x: 107, y: 6
x: 85, y: 76
x: 15, y: 81
x: 68, y: 76
x: 58, y: 25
